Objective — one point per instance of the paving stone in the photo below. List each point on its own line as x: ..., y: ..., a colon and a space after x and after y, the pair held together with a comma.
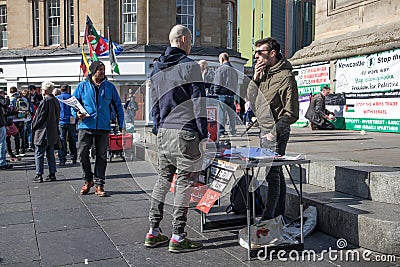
x: 117, y: 262
x: 16, y: 217
x: 24, y: 264
x: 9, y: 207
x: 120, y: 210
x: 59, y: 220
x: 18, y: 244
x: 14, y: 198
x: 50, y: 189
x: 56, y: 202
x: 74, y: 246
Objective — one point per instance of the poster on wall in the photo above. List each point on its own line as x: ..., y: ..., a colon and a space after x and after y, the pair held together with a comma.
x: 371, y: 86
x: 309, y: 80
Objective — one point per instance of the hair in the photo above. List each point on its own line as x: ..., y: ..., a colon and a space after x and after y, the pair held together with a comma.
x: 272, y: 45
x: 176, y: 33
x: 64, y: 87
x: 13, y: 89
x: 325, y: 87
x: 48, y: 86
x: 25, y: 92
x: 224, y: 56
x: 203, y: 64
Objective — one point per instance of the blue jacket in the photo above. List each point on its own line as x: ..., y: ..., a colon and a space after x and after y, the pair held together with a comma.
x: 98, y: 107
x: 65, y: 112
x: 178, y: 93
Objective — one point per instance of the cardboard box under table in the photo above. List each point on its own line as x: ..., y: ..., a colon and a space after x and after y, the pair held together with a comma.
x: 220, y: 178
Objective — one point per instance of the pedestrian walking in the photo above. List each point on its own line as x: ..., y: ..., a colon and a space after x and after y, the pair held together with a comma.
x: 97, y: 95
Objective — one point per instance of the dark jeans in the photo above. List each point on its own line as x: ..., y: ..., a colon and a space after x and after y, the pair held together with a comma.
x: 85, y: 141
x: 40, y: 151
x: 17, y: 144
x: 275, y: 204
x: 226, y: 105
x: 178, y: 151
x: 70, y: 130
x: 21, y: 129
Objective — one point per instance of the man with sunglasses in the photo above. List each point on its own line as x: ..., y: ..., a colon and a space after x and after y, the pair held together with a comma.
x: 276, y: 106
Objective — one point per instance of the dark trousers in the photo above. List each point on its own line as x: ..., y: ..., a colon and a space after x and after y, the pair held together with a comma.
x: 275, y: 204
x: 85, y: 141
x: 67, y: 130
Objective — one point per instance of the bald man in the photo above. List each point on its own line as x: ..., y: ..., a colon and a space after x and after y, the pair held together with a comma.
x: 181, y: 124
x: 225, y: 86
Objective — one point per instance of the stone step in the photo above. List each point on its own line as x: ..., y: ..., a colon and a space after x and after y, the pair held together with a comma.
x: 373, y: 182
x: 369, y: 224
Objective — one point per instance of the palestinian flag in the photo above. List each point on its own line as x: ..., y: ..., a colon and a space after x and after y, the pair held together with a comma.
x: 349, y: 108
x: 112, y: 56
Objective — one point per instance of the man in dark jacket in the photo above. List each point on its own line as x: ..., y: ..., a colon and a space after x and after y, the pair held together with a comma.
x: 225, y: 86
x: 3, y: 109
x: 275, y: 96
x: 67, y: 128
x: 180, y: 114
x: 97, y: 95
x: 45, y: 133
x: 317, y: 113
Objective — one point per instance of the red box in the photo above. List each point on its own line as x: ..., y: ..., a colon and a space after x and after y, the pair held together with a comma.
x: 117, y: 142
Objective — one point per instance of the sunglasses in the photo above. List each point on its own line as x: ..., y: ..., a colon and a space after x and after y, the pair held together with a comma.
x: 261, y: 51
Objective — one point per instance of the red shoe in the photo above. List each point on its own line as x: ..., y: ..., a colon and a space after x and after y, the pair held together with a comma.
x: 100, y: 191
x: 86, y: 187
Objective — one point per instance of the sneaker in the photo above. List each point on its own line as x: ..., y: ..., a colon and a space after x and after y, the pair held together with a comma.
x: 22, y: 153
x: 31, y: 149
x: 185, y: 245
x: 152, y: 241
x: 100, y: 191
x: 6, y: 167
x: 38, y: 179
x: 86, y: 187
x: 50, y: 178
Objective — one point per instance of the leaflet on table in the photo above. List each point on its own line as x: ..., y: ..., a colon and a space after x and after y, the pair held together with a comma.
x: 75, y: 104
x: 250, y: 152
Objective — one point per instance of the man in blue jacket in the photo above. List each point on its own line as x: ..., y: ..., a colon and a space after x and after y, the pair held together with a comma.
x: 96, y: 94
x: 179, y: 108
x: 67, y: 128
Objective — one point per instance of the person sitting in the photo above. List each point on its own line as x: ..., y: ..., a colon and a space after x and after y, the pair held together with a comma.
x: 319, y: 117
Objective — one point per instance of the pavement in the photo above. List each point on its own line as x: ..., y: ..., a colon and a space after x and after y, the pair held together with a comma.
x: 51, y: 224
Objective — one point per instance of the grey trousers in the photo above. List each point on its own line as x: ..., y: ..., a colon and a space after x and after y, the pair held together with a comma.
x: 178, y: 152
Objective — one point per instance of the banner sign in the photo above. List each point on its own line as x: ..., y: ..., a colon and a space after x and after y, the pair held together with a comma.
x: 371, y: 84
x: 378, y: 72
x: 310, y: 80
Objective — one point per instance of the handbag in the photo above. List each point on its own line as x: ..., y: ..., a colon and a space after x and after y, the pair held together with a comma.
x: 11, y: 130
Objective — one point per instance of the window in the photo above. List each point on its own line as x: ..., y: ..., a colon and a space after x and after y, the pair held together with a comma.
x: 53, y: 22
x: 185, y: 14
x: 70, y: 10
x: 229, y: 37
x: 129, y: 22
x: 3, y: 27
x: 35, y: 17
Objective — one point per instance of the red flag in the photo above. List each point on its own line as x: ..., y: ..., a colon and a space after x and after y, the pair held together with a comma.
x: 101, y: 47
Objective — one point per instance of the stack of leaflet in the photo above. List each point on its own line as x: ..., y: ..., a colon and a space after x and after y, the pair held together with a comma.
x: 250, y: 153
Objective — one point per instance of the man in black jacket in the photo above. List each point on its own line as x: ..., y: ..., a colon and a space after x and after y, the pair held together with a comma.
x: 4, y: 103
x: 319, y: 117
x: 180, y: 114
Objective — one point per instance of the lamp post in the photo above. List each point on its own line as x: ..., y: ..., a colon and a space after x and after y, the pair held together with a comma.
x: 26, y: 70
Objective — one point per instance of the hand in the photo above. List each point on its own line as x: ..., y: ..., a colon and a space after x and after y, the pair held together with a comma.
x: 331, y: 117
x: 80, y: 115
x: 269, y: 137
x: 258, y: 70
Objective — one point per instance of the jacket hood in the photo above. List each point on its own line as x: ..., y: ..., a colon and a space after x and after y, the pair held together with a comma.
x: 170, y: 57
x: 281, y: 65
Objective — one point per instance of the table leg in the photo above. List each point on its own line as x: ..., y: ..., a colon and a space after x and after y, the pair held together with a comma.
x: 248, y: 212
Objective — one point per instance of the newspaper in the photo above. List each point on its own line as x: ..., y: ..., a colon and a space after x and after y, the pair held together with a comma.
x: 75, y: 104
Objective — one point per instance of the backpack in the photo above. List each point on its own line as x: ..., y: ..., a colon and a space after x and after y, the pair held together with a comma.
x: 22, y: 107
x: 238, y: 199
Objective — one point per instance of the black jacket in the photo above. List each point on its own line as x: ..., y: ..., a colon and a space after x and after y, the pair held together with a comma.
x: 45, y: 123
x: 3, y: 110
x: 178, y: 93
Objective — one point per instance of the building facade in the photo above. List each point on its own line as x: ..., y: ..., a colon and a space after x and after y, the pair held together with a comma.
x: 41, y: 39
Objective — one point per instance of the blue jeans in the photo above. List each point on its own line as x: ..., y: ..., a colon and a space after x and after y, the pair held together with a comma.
x: 100, y: 138
x: 70, y: 130
x: 28, y: 133
x: 40, y: 150
x: 3, y: 145
x: 226, y: 105
x: 275, y: 204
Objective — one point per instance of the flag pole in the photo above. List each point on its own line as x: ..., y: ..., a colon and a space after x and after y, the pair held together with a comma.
x: 112, y: 47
